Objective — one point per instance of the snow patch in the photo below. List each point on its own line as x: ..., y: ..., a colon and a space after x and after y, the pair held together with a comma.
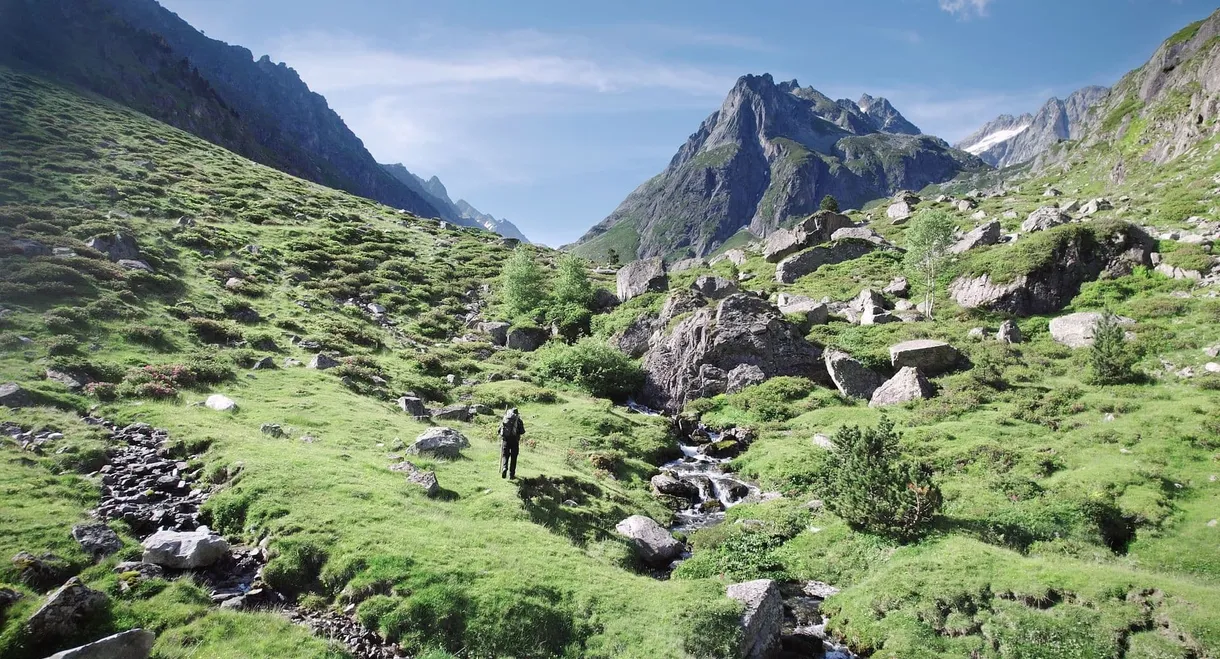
x: 995, y: 138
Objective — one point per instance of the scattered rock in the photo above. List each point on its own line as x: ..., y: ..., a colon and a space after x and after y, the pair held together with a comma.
x: 687, y: 264
x: 439, y: 442
x: 669, y: 485
x: 653, y: 543
x: 1075, y: 330
x: 322, y: 362
x: 925, y: 354
x: 898, y: 287
x: 12, y: 395
x: 116, y: 246
x: 220, y: 403
x: 456, y: 412
x: 97, y: 539
x: 1009, y: 332
x: 816, y: 229
x: 860, y: 233
x: 798, y: 265
x: 184, y: 550
x: 132, y: 264
x: 273, y: 429
x: 899, y: 212
x: 1044, y: 218
x: 420, y: 477
x: 986, y: 234
x: 714, y: 288
x: 131, y: 644
x: 413, y: 405
x: 853, y: 379
x: 526, y: 339
x: 639, y: 277
x: 41, y: 572
x: 907, y: 385
x: 763, y: 617
x: 498, y: 332
x: 65, y: 611
x: 811, y: 311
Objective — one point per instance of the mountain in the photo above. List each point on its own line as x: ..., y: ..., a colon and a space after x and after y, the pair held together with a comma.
x: 138, y: 53
x: 1010, y: 140
x: 461, y: 212
x: 768, y: 155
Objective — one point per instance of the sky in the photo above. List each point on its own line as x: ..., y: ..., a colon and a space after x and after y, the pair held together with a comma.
x: 548, y: 113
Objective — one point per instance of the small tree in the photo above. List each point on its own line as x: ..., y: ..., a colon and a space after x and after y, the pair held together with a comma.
x: 521, y: 284
x: 612, y: 257
x: 572, y: 285
x: 829, y: 203
x: 867, y: 482
x: 1111, y: 361
x: 929, y: 237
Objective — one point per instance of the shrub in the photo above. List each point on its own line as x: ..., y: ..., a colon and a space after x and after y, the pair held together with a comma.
x: 772, y: 400
x: 62, y: 345
x: 214, y: 331
x: 1110, y: 359
x: 829, y: 203
x: 873, y: 488
x: 145, y: 334
x: 592, y: 366
x: 521, y: 286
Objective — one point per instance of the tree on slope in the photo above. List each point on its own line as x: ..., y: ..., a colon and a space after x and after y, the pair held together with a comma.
x: 829, y: 203
x: 929, y: 237
x: 521, y: 285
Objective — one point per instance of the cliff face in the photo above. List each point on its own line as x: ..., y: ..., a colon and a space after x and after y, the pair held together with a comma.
x: 1009, y: 140
x: 768, y: 155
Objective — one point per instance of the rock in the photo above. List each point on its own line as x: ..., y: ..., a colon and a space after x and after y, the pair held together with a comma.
x: 782, y: 243
x: 322, y: 362
x: 419, y: 477
x: 40, y: 573
x: 907, y: 385
x: 30, y: 248
x: 899, y: 212
x: 986, y: 234
x: 97, y: 539
x: 860, y: 233
x: 744, y: 375
x: 736, y: 257
x: 714, y: 288
x: 811, y: 311
x: 1052, y: 192
x: 668, y: 485
x: 1095, y: 206
x: 131, y: 644
x: 604, y: 300
x: 654, y: 544
x: 12, y: 395
x: 853, y: 379
x: 413, y: 405
x: 1174, y: 272
x: 639, y: 277
x: 526, y: 339
x: 457, y: 412
x: 695, y: 359
x: 116, y: 246
x: 966, y: 205
x: 798, y: 265
x: 898, y: 287
x: 1009, y: 332
x: 220, y: 403
x: 141, y: 569
x: 877, y: 316
x: 272, y: 429
x: 977, y: 333
x: 65, y: 611
x: 184, y: 550
x: 763, y: 617
x: 925, y: 354
x: 635, y: 340
x: 1044, y: 218
x: 1212, y: 367
x: 133, y: 264
x: 8, y: 597
x: 439, y: 442
x: 1075, y: 330
x: 687, y: 264
x: 498, y: 332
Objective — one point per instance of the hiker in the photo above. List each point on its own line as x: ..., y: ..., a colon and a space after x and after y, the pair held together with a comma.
x: 511, y: 430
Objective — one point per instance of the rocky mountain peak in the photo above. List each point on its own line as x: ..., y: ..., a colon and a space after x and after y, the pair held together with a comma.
x: 885, y: 116
x: 1008, y: 140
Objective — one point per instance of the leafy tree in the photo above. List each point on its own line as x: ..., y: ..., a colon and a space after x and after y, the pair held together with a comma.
x: 929, y: 237
x: 829, y: 203
x: 1111, y: 361
x: 612, y: 257
x: 521, y: 285
x: 572, y: 285
x: 867, y: 482
x: 591, y: 365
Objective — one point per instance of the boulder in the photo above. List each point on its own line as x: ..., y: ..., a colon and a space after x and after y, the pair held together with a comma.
x: 877, y: 316
x: 1095, y: 206
x: 322, y: 361
x: 966, y: 205
x: 456, y: 412
x: 496, y: 330
x: 762, y: 619
x: 653, y: 543
x: 184, y: 550
x: 695, y: 359
x: 860, y: 233
x: 714, y: 288
x: 14, y: 396
x: 742, y: 376
x: 687, y: 264
x: 97, y: 539
x: 116, y: 246
x: 782, y: 243
x: 134, y: 264
x: 526, y: 339
x: 927, y: 355
x: 811, y: 311
x: 1044, y: 218
x: 41, y: 573
x: 907, y: 385
x: 413, y: 405
x: 634, y: 340
x: 131, y: 644
x: 1008, y: 333
x: 670, y: 485
x: 736, y: 256
x: 421, y: 478
x: 798, y: 265
x: 439, y: 442
x: 639, y: 277
x: 900, y: 211
x: 986, y: 234
x: 30, y: 248
x: 1075, y: 330
x: 220, y: 403
x: 813, y: 230
x: 898, y: 287
x: 850, y: 377
x: 65, y: 611
x: 140, y: 569
x: 604, y: 300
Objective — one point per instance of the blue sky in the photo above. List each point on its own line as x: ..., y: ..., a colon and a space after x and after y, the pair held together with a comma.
x: 550, y: 113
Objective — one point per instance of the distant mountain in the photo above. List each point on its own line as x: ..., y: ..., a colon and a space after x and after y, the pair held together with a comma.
x: 769, y: 155
x: 140, y: 54
x: 1010, y: 140
x: 461, y: 212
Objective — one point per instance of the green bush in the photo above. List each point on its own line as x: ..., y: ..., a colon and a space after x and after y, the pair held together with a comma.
x: 521, y: 285
x: 772, y: 400
x: 1111, y: 361
x: 592, y: 366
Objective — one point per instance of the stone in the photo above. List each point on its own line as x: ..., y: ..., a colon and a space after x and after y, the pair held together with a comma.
x: 635, y: 340
x: 1095, y: 206
x: 877, y: 316
x: 439, y: 442
x: 1009, y: 332
x: 133, y: 264
x: 14, y: 396
x: 687, y: 264
x: 986, y: 234
x: 413, y: 405
x: 927, y: 355
x: 639, y: 277
x: 782, y: 243
x: 8, y: 597
x: 900, y: 211
x: 1212, y: 367
x: 220, y: 403
x: 526, y: 339
x: 669, y: 485
x: 496, y: 330
x: 272, y: 429
x: 1075, y: 330
x: 762, y: 619
x: 799, y: 265
x: 131, y: 644
x: 322, y: 362
x: 898, y: 287
x: 41, y: 572
x: 264, y: 364
x: 140, y: 569
x: 809, y: 310
x: 736, y: 257
x: 31, y: 248
x: 1044, y: 218
x: 184, y: 550
x: 65, y: 611
x: 860, y: 233
x: 850, y: 377
x: 966, y: 205
x: 742, y: 376
x: 604, y: 300
x: 907, y: 385
x: 653, y: 543
x: 97, y: 539
x: 421, y: 478
x: 977, y: 333
x: 456, y: 412
x: 116, y: 246
x: 713, y: 287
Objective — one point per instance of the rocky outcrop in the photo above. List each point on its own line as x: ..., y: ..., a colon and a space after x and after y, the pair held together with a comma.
x: 184, y: 550
x: 14, y: 396
x: 1075, y: 330
x: 986, y: 234
x: 853, y: 379
x: 762, y: 617
x: 413, y: 405
x: 65, y: 611
x: 713, y: 287
x: 799, y: 265
x: 439, y: 442
x: 131, y: 644
x: 695, y: 360
x: 97, y: 539
x: 906, y: 385
x: 652, y: 542
x: 808, y: 309
x: 1045, y: 218
x: 116, y: 246
x: 814, y: 230
x: 639, y: 277
x: 498, y: 331
x: 928, y: 356
x: 322, y: 362
x: 526, y: 339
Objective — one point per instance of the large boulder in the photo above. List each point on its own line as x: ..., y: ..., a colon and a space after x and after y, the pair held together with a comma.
x: 813, y: 230
x: 798, y: 265
x: 927, y: 355
x: 1045, y: 218
x: 906, y: 385
x: 498, y: 331
x: 635, y: 339
x: 810, y: 310
x: 853, y: 379
x: 220, y: 403
x: 782, y: 243
x: 184, y: 550
x: 413, y: 405
x: 97, y: 539
x: 455, y: 412
x: 687, y: 264
x: 653, y: 543
x: 695, y: 359
x: 13, y: 395
x: 1008, y: 332
x: 762, y: 618
x: 713, y: 287
x: 900, y: 211
x: 985, y: 234
x: 526, y: 339
x: 116, y: 246
x: 322, y: 362
x: 65, y: 611
x: 421, y: 478
x: 131, y: 644
x: 670, y: 485
x: 439, y: 442
x: 639, y: 277
x: 860, y: 233
x: 1075, y: 330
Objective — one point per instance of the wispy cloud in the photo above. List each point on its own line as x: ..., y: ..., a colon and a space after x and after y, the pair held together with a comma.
x: 911, y: 37
x: 965, y: 8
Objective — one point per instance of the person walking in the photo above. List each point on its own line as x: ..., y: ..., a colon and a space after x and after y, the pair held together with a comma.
x: 511, y: 429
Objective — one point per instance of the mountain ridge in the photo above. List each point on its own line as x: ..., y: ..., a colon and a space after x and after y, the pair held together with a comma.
x: 460, y: 212
x: 1007, y: 140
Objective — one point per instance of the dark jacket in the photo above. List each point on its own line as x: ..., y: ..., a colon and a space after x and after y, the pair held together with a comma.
x: 511, y: 429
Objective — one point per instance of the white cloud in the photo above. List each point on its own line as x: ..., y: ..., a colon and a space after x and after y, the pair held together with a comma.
x: 965, y: 8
